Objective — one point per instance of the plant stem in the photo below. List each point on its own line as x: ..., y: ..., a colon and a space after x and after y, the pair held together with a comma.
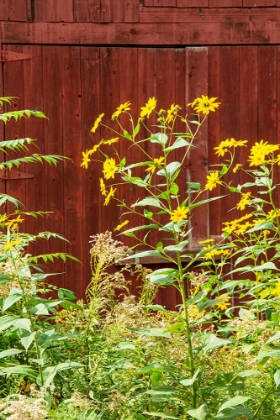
x: 187, y: 329
x: 262, y: 402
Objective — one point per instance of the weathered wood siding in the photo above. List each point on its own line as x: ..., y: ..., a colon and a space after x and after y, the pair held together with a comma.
x: 88, y: 56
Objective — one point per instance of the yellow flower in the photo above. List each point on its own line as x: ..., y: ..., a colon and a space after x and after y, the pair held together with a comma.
x: 11, y: 244
x: 86, y: 159
x: 206, y: 241
x: 97, y: 123
x: 257, y: 159
x: 95, y: 148
x: 245, y: 200
x: 225, y: 144
x: 109, y: 168
x: 102, y: 187
x: 241, y: 229
x: 148, y: 108
x: 111, y: 141
x: 276, y: 290
x: 120, y: 226
x: 222, y: 148
x: 212, y: 180
x: 12, y: 224
x: 122, y: 108
x: 225, y: 302
x: 236, y: 168
x: 179, y: 214
x: 172, y: 112
x: 205, y: 104
x: 110, y: 194
x: 157, y: 162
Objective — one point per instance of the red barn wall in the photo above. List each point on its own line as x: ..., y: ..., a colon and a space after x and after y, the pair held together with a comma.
x: 78, y: 58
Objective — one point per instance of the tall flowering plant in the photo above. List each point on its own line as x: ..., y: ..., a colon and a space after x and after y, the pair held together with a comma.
x: 164, y: 207
x: 167, y: 205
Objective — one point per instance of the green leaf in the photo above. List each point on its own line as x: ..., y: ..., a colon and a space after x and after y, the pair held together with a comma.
x: 190, y: 381
x: 152, y: 253
x: 159, y: 138
x: 66, y: 294
x: 161, y: 390
x: 149, y: 201
x: 169, y: 170
x: 6, y: 321
x: 163, y: 276
x: 23, y: 323
x: 24, y: 370
x: 27, y: 340
x: 179, y: 142
x: 214, y: 342
x: 136, y: 130
x: 9, y: 352
x: 161, y: 415
x: 194, y: 186
x: 127, y: 135
x: 247, y: 373
x: 273, y: 338
x: 176, y: 248
x: 10, y: 301
x: 239, y: 400
x: 40, y: 309
x: 234, y: 413
x: 126, y: 345
x: 198, y: 413
x: 156, y: 308
x: 152, y: 332
x: 277, y: 377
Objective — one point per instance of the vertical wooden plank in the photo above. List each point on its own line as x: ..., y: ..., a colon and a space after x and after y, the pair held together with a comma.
x: 259, y: 3
x: 4, y: 11
x: 110, y: 99
x: 225, y: 3
x: 72, y: 147
x: 53, y: 11
x: 214, y: 137
x: 105, y: 11
x: 128, y: 73
x: 230, y: 116
x: 192, y: 3
x: 14, y: 86
x: 17, y: 10
x: 92, y: 199
x: 53, y: 144
x: 87, y: 10
x: 125, y: 11
x: 197, y: 85
x: 267, y: 102
x: 34, y: 127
